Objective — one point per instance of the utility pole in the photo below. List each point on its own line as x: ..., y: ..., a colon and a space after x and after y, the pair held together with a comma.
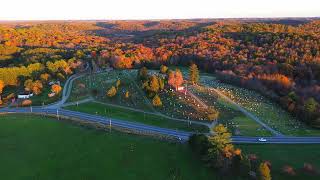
x: 58, y: 114
x: 110, y: 125
x: 30, y: 108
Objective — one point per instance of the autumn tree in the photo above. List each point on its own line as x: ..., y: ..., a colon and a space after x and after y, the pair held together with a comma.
x: 175, y: 78
x: 264, y: 171
x: 179, y: 78
x: 2, y: 85
x: 56, y: 88
x: 118, y: 83
x: 163, y: 69
x: 28, y: 84
x: 156, y: 101
x: 194, y: 73
x: 37, y: 87
x: 153, y: 84
x: 127, y: 95
x: 112, y: 92
x: 45, y: 77
x: 221, y: 150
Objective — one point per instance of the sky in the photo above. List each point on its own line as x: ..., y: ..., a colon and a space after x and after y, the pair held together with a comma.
x: 152, y: 9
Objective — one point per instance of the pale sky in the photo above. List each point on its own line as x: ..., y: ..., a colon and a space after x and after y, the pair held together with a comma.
x: 154, y: 9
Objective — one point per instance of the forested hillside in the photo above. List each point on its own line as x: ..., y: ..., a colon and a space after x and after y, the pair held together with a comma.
x: 278, y: 58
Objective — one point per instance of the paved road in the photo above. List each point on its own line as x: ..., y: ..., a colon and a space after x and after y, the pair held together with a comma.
x: 103, y: 120
x: 277, y: 140
x: 66, y: 91
x: 183, y: 136
x: 54, y: 109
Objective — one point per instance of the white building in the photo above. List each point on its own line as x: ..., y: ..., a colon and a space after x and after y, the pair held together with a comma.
x: 25, y: 96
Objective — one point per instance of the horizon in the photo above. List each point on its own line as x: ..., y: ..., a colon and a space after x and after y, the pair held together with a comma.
x: 165, y: 19
x: 155, y: 10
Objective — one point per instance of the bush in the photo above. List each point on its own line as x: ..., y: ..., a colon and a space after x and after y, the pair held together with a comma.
x: 288, y: 170
x: 26, y: 102
x: 213, y: 114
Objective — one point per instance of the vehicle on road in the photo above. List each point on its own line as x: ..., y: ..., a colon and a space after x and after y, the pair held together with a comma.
x: 262, y: 140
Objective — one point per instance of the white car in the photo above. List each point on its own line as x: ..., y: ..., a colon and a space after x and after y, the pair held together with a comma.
x: 262, y: 140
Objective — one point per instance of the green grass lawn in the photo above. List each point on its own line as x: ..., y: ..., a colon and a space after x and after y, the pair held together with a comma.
x: 102, y: 82
x: 229, y: 115
x: 265, y: 109
x: 284, y: 154
x: 34, y: 147
x: 129, y: 115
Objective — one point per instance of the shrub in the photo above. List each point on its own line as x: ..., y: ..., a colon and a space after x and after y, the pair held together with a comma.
x: 288, y: 170
x: 213, y: 114
x: 26, y: 102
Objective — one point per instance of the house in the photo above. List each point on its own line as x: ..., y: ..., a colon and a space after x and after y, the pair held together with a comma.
x: 51, y: 94
x: 180, y: 88
x: 25, y: 96
x: 54, y: 82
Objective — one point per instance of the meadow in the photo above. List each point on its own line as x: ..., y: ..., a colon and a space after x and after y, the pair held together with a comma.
x: 135, y: 116
x: 37, y: 147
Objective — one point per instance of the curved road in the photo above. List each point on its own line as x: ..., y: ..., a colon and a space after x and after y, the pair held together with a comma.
x: 54, y: 109
x: 138, y: 127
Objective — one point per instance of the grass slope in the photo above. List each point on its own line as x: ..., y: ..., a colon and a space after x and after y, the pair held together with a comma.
x: 35, y: 147
x: 129, y: 115
x: 285, y: 154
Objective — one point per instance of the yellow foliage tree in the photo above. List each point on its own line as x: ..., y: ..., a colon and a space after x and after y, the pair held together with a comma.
x: 264, y: 171
x: 118, y: 83
x: 28, y: 85
x: 45, y: 77
x: 112, y: 92
x: 156, y: 101
x: 127, y: 95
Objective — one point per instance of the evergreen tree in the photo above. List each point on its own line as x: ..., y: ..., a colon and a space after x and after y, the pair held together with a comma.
x: 143, y: 74
x: 194, y: 74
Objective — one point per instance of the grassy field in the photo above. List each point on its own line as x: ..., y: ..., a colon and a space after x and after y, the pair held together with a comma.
x: 84, y: 87
x: 34, y: 147
x: 129, y: 115
x: 266, y: 110
x: 281, y: 155
x: 229, y: 115
x: 180, y: 106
